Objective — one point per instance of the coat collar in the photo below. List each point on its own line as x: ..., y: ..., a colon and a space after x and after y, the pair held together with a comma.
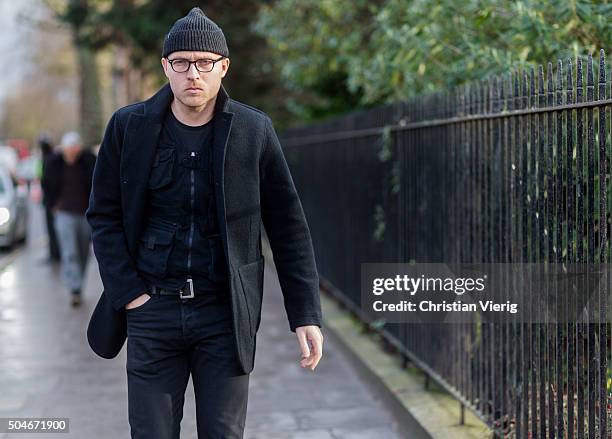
x: 158, y: 104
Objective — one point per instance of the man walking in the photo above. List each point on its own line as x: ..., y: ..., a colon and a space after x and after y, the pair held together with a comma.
x: 67, y: 183
x: 182, y: 184
x: 46, y: 149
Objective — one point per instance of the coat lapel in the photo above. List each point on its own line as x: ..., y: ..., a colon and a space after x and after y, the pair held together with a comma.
x: 140, y: 143
x: 137, y: 160
x: 222, y: 126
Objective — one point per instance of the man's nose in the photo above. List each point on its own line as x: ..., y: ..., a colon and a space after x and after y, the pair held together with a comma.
x: 193, y: 71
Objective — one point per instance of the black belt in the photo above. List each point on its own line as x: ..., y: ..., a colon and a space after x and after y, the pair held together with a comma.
x: 183, y: 294
x: 187, y: 292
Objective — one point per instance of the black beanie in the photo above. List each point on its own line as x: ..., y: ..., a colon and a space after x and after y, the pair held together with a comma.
x: 195, y: 32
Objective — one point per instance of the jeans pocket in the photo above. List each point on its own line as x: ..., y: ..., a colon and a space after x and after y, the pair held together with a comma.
x: 162, y: 169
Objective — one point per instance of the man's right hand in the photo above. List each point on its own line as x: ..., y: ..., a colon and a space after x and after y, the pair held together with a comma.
x: 140, y: 300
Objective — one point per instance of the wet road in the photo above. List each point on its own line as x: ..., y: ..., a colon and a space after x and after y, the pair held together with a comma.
x: 48, y: 370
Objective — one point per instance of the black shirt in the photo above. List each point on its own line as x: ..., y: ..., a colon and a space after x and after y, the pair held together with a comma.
x: 181, y: 237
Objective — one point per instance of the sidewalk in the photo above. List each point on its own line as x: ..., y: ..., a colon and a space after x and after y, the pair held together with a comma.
x: 288, y: 402
x: 48, y: 369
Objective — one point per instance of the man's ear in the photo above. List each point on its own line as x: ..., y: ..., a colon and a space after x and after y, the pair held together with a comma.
x: 164, y: 63
x: 225, y: 66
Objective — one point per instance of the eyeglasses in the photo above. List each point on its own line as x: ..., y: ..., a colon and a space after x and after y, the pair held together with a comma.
x: 203, y: 65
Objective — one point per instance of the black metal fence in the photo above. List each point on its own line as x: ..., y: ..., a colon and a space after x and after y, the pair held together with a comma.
x: 511, y: 169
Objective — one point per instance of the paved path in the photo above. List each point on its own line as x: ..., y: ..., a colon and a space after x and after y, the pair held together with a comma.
x: 48, y: 370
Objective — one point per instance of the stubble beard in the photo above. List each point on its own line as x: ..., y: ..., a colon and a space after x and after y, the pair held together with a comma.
x: 194, y: 102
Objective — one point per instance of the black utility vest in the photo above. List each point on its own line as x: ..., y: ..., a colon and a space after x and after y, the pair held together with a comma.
x: 181, y: 238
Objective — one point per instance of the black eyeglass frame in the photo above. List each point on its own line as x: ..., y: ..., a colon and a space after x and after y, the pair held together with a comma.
x: 214, y: 61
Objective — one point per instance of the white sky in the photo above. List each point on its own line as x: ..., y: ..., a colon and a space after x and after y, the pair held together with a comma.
x: 13, y: 38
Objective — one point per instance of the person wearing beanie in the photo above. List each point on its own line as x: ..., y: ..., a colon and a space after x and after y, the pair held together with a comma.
x: 67, y: 182
x: 182, y: 185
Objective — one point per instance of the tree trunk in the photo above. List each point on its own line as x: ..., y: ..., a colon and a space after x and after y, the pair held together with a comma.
x: 90, y: 110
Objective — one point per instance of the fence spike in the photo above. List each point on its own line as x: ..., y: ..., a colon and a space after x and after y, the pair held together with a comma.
x: 579, y: 80
x: 540, y: 102
x: 570, y: 82
x: 524, y: 90
x: 590, y: 78
x: 550, y: 84
x: 559, y: 82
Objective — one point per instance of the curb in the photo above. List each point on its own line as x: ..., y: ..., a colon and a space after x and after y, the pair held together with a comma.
x: 422, y: 413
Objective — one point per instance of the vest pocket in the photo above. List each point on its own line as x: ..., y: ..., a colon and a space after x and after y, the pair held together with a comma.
x: 154, y: 249
x: 161, y: 171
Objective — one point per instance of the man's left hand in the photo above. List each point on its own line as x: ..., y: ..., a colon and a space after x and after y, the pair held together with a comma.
x: 311, y: 353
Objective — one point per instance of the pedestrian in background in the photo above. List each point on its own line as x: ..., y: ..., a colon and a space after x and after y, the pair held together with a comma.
x: 68, y: 183
x: 46, y: 151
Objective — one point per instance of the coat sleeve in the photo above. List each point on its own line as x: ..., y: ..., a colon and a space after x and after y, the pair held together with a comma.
x: 289, y: 235
x: 117, y: 268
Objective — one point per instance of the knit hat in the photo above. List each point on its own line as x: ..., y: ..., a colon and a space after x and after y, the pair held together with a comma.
x: 71, y: 138
x: 195, y: 32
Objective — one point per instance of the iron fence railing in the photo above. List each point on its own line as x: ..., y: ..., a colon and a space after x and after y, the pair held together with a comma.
x: 512, y: 169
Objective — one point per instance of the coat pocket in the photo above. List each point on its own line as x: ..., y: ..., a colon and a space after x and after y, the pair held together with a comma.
x: 154, y: 249
x: 251, y: 279
x: 163, y: 167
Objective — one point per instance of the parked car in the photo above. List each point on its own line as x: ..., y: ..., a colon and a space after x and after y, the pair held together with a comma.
x: 9, y: 158
x: 13, y: 209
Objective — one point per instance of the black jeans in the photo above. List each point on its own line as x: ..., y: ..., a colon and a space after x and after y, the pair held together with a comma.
x: 169, y: 338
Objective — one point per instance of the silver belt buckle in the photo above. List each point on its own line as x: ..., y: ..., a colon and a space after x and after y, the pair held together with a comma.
x: 191, y: 294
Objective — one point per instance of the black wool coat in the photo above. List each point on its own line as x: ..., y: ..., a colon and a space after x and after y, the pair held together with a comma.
x: 253, y: 185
